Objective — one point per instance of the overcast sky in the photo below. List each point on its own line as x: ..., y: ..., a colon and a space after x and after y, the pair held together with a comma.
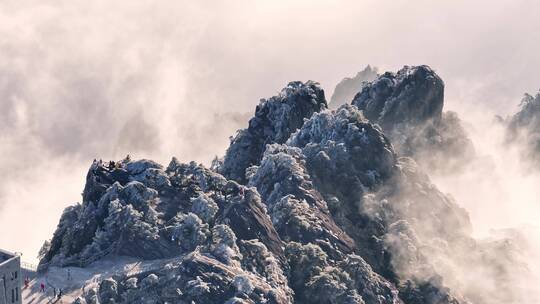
x: 90, y: 79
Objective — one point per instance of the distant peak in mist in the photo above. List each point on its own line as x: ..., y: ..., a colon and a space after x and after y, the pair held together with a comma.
x: 348, y: 87
x: 523, y: 129
x: 408, y: 105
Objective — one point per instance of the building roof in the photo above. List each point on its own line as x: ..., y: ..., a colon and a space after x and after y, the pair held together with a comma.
x: 6, y: 255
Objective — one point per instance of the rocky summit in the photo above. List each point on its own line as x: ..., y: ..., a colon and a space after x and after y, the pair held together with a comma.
x: 308, y: 205
x: 275, y: 120
x: 408, y: 105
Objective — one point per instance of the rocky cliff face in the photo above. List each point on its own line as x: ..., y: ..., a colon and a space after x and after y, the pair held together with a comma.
x: 411, y: 96
x: 309, y: 206
x: 408, y: 105
x: 275, y: 120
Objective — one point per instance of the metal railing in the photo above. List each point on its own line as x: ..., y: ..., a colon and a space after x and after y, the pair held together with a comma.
x: 29, y: 266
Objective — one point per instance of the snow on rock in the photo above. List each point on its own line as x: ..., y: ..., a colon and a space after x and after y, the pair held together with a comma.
x: 205, y: 207
x: 337, y: 184
x: 140, y: 166
x: 297, y: 209
x: 193, y: 214
x: 318, y: 279
x: 200, y: 278
x: 274, y: 121
x: 308, y: 206
x: 524, y: 128
x: 188, y: 231
x: 408, y: 105
x: 413, y: 95
x: 224, y: 246
x: 344, y: 139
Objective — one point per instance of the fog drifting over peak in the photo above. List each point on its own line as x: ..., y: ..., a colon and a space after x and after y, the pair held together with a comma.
x: 81, y: 80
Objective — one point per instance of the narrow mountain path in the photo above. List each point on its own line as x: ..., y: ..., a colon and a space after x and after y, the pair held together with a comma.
x: 87, y: 278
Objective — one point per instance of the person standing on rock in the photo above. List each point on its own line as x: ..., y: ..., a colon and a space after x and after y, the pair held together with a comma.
x: 42, y: 287
x: 54, y: 292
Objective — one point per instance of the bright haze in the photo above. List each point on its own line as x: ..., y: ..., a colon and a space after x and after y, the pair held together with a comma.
x: 84, y: 80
